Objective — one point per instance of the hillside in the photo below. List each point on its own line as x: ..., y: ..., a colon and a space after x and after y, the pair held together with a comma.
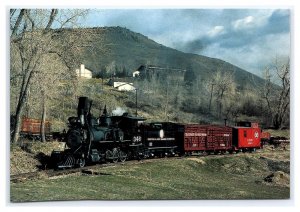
x: 203, y: 92
x: 131, y: 50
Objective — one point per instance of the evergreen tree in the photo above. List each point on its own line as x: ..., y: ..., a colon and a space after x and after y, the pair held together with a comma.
x: 189, y: 76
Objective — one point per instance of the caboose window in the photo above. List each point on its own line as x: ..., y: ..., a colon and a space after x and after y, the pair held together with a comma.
x: 245, y: 133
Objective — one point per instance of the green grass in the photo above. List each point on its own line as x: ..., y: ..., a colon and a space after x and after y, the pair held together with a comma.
x: 281, y: 133
x: 168, y: 179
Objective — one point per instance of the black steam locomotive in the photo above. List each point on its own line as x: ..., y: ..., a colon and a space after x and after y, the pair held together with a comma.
x: 106, y: 138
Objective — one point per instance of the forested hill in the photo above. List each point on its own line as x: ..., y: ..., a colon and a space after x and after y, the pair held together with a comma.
x: 129, y: 50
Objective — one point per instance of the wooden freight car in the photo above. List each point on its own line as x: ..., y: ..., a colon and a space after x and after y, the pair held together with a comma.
x: 31, y: 129
x: 207, y: 138
x: 265, y: 137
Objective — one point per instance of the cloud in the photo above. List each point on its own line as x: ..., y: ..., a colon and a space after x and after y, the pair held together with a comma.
x: 244, y: 37
x: 217, y: 30
x: 256, y: 21
x: 251, y: 40
x: 243, y: 23
x: 239, y: 32
x: 278, y: 22
x: 253, y: 57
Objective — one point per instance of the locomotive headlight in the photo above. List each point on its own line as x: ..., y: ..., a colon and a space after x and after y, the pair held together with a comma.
x: 84, y: 135
x: 81, y: 119
x: 161, y: 133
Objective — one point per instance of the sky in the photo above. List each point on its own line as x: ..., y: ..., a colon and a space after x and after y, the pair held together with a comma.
x: 248, y: 38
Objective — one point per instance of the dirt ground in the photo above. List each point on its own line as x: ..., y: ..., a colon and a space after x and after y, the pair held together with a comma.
x: 29, y: 156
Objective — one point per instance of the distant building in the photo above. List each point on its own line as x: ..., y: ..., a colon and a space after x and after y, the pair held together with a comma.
x: 83, y: 72
x: 146, y: 71
x: 122, y: 86
x: 136, y: 74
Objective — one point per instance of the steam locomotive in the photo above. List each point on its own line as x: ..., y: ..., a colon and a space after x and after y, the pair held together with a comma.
x: 118, y: 138
x: 106, y: 138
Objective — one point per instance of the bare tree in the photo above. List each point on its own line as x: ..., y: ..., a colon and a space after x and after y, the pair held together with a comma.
x: 224, y: 84
x: 276, y: 92
x: 48, y: 82
x: 111, y: 69
x: 32, y: 37
x: 211, y: 84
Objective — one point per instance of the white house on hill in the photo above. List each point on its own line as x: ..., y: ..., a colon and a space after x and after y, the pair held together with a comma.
x: 124, y: 86
x: 83, y: 72
x: 136, y: 74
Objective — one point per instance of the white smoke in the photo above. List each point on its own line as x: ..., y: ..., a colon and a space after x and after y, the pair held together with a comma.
x: 118, y: 111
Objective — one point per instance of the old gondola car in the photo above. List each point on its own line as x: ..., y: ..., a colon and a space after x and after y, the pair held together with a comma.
x: 31, y: 129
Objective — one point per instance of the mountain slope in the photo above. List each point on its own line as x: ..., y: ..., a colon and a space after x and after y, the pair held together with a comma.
x: 131, y: 50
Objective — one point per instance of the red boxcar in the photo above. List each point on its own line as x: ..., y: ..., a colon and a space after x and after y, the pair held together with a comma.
x: 265, y: 135
x: 209, y: 138
x: 247, y: 138
x: 31, y: 128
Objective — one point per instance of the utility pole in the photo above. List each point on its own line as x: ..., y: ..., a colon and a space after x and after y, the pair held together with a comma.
x: 136, y: 102
x: 211, y: 93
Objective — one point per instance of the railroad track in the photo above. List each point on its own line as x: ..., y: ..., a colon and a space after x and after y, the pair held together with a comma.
x: 88, y: 169
x: 52, y: 173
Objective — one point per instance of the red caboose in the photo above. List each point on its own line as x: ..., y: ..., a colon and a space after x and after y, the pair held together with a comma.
x: 246, y: 137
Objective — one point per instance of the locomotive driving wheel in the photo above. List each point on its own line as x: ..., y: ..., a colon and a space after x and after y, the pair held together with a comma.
x: 115, y: 155
x: 108, y: 155
x: 122, y: 156
x: 81, y: 162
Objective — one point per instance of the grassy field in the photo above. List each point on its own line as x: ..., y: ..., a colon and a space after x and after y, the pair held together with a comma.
x: 236, y: 177
x: 280, y: 133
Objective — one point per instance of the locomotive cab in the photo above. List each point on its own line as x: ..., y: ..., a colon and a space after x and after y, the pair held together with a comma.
x: 105, y: 121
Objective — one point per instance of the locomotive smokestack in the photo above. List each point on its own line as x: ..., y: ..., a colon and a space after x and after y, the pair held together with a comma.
x: 225, y: 122
x: 104, y: 111
x: 83, y: 108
